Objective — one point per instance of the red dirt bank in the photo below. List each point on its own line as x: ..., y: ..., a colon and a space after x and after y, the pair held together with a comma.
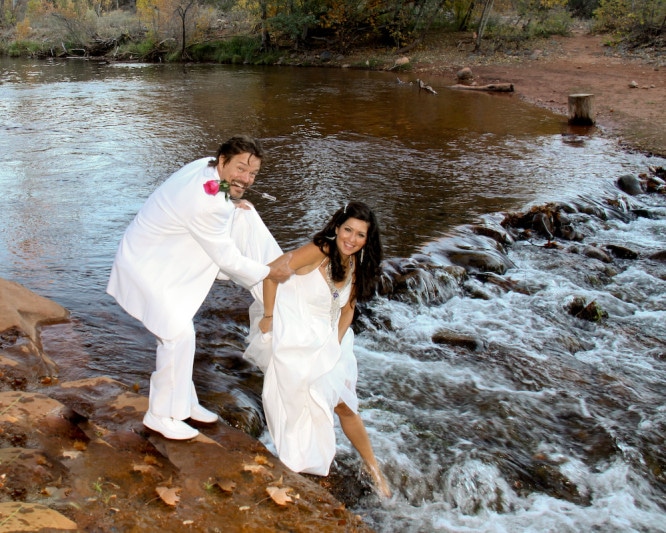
x: 545, y: 76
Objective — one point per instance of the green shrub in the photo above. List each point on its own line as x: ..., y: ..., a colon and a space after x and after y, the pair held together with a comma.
x: 237, y: 50
x: 614, y: 15
x: 25, y: 49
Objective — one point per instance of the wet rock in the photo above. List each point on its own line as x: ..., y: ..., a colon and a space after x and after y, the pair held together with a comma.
x: 504, y: 283
x: 543, y: 224
x: 586, y: 311
x: 474, y: 289
x: 24, y: 517
x: 475, y: 486
x: 630, y: 184
x: 465, y: 76
x: 549, y: 221
x: 595, y: 211
x: 23, y: 310
x: 596, y: 253
x: 654, y: 184
x: 22, y: 313
x: 658, y: 256
x: 659, y: 172
x: 28, y: 470
x: 646, y: 213
x: 420, y: 279
x: 565, y: 227
x: 453, y: 338
x: 479, y: 261
x: 550, y: 480
x: 498, y: 234
x: 621, y: 251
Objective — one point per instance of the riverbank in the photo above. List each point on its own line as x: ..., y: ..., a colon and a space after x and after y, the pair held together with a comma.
x: 629, y: 88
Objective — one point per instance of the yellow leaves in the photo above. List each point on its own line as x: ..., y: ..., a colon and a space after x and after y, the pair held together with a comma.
x: 151, y: 460
x: 169, y: 495
x: 260, y: 466
x: 280, y: 494
x: 71, y: 454
x: 144, y: 469
x: 262, y: 460
x: 277, y: 492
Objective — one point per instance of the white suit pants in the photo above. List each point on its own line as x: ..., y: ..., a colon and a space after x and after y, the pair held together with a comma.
x: 172, y: 392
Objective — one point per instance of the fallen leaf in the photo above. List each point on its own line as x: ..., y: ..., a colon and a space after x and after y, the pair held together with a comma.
x: 244, y: 508
x: 279, y: 494
x: 151, y: 460
x: 71, y: 454
x: 262, y: 460
x: 226, y: 485
x: 168, y: 495
x: 144, y: 469
x: 188, y: 522
x: 257, y: 469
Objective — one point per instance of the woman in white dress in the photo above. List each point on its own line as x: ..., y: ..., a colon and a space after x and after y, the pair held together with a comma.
x: 301, y: 338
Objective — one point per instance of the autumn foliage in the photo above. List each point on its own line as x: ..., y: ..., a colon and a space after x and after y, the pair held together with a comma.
x: 186, y: 29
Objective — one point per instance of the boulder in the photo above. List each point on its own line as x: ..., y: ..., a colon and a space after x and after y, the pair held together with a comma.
x: 630, y: 184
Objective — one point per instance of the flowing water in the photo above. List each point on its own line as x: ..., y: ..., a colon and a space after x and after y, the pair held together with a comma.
x: 530, y: 419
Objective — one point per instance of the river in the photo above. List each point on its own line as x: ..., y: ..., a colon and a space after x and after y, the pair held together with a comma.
x: 545, y: 422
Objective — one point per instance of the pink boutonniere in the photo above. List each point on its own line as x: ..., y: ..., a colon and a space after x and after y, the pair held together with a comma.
x: 212, y: 187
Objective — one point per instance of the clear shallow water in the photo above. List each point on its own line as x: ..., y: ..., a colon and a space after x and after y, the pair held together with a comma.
x: 552, y: 424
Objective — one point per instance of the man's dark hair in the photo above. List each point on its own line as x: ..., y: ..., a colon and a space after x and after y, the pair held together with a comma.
x: 238, y: 144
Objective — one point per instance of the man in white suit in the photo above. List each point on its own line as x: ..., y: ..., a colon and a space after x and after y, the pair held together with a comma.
x: 193, y: 229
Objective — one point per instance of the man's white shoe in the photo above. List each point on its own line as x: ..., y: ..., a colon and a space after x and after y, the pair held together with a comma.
x: 201, y: 414
x: 169, y: 427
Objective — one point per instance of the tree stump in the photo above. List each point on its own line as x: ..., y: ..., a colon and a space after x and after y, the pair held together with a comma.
x: 580, y: 110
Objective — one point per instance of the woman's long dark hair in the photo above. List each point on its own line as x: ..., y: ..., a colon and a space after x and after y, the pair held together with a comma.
x: 368, y: 270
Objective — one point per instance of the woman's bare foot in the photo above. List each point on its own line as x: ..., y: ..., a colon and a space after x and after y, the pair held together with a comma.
x: 381, y: 485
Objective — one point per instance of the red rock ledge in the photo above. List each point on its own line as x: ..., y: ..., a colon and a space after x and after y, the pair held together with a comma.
x: 74, y: 456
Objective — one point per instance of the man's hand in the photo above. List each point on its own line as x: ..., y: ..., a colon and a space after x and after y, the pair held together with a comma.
x: 280, y: 269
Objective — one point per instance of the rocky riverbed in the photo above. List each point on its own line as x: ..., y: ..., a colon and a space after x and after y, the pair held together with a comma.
x: 75, y: 456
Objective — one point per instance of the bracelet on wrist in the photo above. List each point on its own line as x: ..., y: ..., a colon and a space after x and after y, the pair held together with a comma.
x: 268, y: 316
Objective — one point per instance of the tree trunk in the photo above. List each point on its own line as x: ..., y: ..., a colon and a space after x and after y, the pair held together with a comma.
x: 182, y: 13
x: 580, y: 110
x: 485, y: 15
x: 468, y: 15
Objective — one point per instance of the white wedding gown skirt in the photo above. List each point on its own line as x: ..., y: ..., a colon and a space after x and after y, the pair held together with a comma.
x: 306, y: 371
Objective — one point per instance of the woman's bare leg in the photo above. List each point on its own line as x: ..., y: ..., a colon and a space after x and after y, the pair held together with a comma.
x: 353, y: 427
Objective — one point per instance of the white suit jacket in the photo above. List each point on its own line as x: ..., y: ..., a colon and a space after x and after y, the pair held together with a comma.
x: 173, y: 250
